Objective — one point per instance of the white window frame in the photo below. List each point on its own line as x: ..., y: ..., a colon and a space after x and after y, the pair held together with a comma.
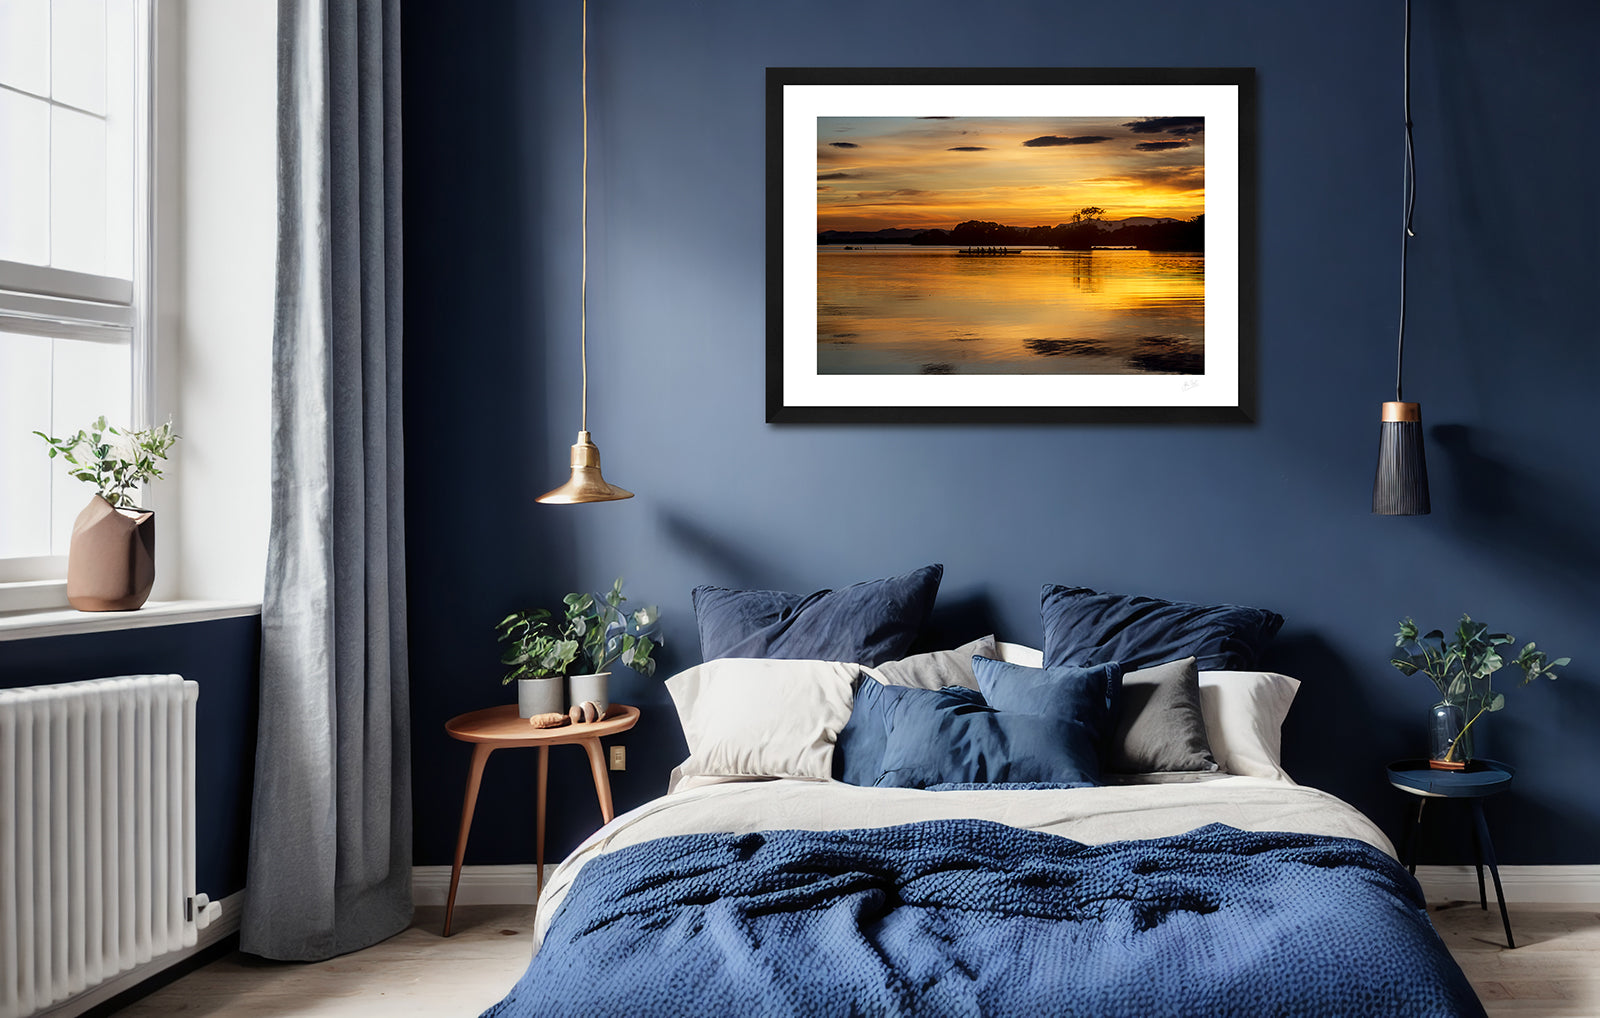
x: 61, y: 304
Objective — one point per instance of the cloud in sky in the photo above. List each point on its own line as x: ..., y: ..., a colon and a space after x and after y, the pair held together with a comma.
x: 1051, y: 140
x: 925, y: 172
x: 844, y: 144
x: 1167, y: 125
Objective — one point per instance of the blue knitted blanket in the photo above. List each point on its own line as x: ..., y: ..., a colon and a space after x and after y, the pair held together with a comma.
x: 969, y: 917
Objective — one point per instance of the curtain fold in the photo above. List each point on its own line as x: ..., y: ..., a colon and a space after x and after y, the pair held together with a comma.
x: 330, y: 831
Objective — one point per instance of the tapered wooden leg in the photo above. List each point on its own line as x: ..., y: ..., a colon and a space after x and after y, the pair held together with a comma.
x: 1477, y: 854
x: 469, y: 802
x: 538, y: 820
x: 1416, y: 837
x: 1494, y: 867
x: 602, y: 783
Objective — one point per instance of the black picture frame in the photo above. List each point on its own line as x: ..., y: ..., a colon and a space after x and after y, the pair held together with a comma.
x: 792, y: 93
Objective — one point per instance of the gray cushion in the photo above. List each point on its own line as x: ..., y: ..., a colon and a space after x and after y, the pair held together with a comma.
x: 1161, y: 727
x: 938, y: 669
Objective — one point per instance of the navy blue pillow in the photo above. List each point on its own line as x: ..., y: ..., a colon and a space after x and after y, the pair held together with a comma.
x: 1083, y: 626
x: 1063, y: 689
x: 1052, y: 734
x: 867, y: 623
x: 858, y: 753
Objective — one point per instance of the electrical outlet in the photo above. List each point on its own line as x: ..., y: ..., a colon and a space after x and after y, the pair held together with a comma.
x: 619, y: 758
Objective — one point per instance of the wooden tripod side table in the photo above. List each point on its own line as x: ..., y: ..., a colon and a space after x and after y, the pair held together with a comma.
x: 500, y: 728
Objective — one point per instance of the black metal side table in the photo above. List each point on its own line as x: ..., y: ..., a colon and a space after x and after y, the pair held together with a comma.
x: 1481, y: 778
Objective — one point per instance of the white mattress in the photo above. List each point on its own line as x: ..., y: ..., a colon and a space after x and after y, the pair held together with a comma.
x: 1090, y: 815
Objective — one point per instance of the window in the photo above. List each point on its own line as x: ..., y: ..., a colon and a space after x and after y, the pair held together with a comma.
x: 74, y: 252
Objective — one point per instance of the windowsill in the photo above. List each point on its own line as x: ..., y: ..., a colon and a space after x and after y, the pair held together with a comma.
x: 30, y: 625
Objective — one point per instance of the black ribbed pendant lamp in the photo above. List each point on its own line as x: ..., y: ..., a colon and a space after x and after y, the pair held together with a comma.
x: 1401, y: 485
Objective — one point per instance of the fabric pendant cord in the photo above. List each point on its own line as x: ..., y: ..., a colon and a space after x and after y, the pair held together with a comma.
x: 1400, y: 487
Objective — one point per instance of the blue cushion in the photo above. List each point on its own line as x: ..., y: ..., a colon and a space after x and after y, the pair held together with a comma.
x: 858, y: 754
x: 867, y: 623
x: 1063, y: 689
x: 1082, y: 626
x: 1052, y: 732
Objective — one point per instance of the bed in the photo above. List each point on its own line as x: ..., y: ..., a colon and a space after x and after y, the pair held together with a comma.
x: 761, y: 884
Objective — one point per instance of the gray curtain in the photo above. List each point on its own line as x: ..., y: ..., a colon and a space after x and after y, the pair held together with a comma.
x: 330, y: 832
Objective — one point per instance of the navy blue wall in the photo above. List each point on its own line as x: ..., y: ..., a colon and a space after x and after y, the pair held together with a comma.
x: 223, y: 657
x: 1502, y: 356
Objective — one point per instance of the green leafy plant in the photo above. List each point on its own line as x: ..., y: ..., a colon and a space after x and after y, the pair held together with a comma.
x: 115, y: 460
x: 1462, y: 668
x: 594, y: 632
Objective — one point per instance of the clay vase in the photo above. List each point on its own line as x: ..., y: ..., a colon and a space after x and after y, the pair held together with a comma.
x: 111, y: 563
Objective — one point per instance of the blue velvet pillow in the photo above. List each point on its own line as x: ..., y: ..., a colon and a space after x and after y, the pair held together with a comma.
x: 1082, y: 626
x: 867, y: 623
x: 1052, y: 734
x: 858, y: 754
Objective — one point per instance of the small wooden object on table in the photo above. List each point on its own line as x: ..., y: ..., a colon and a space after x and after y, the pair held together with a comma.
x: 1480, y: 779
x: 501, y: 728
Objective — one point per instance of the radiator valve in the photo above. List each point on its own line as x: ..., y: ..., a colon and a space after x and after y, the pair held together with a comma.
x: 202, y: 911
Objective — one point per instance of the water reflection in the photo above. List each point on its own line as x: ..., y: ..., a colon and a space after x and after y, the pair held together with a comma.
x: 927, y: 310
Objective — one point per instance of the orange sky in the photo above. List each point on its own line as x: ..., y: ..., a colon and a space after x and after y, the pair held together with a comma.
x: 934, y: 172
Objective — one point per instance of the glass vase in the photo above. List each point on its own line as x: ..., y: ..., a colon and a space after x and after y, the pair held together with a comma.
x: 1445, y: 722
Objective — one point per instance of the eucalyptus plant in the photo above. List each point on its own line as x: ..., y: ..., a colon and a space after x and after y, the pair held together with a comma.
x: 594, y: 632
x: 115, y: 460
x: 1462, y: 668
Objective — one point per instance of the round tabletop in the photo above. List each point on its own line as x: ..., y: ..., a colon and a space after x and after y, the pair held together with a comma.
x: 1481, y: 777
x: 503, y: 727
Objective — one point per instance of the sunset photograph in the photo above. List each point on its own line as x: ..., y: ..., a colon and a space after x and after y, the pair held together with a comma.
x: 1011, y: 245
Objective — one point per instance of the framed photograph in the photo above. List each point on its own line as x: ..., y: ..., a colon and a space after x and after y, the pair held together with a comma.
x: 1010, y: 245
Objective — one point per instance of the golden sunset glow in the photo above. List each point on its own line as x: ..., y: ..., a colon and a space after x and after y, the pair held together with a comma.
x: 935, y: 172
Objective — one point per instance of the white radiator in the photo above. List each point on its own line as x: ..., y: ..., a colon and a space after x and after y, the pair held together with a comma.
x: 97, y: 835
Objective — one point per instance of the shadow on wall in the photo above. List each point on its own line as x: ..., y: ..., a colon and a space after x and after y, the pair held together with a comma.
x: 1336, y: 737
x: 1532, y: 516
x: 734, y: 566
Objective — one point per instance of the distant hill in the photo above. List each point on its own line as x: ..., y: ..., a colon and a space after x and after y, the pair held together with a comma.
x: 1117, y: 224
x: 901, y: 235
x: 894, y: 236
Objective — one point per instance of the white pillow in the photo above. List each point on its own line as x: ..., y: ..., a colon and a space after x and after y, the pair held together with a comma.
x: 762, y: 717
x: 1017, y: 654
x: 1244, y: 714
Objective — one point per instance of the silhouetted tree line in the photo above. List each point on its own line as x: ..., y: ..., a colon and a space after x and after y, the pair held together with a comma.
x: 1081, y: 235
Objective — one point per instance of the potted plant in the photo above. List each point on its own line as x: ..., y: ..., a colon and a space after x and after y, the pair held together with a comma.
x: 545, y: 654
x: 111, y: 560
x: 1462, y: 669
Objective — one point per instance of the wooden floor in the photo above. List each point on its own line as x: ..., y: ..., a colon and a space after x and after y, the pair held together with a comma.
x: 1553, y: 973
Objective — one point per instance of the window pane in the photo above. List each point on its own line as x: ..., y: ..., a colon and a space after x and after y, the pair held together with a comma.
x: 25, y: 466
x: 88, y: 380
x: 78, y: 54
x: 120, y: 83
x: 24, y: 178
x: 78, y: 191
x: 25, y: 45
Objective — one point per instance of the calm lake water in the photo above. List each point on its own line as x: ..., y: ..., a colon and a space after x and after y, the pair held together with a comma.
x: 930, y: 310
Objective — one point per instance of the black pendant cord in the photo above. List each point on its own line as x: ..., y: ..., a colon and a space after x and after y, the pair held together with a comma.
x: 1410, y: 207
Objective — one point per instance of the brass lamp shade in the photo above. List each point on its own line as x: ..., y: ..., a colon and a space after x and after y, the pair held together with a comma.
x: 585, y: 484
x: 1401, y: 485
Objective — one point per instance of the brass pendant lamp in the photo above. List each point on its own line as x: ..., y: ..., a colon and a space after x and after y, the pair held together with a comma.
x: 586, y: 483
x: 1401, y: 485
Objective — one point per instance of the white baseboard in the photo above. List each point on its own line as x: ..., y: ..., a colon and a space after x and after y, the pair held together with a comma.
x: 223, y: 926
x: 513, y: 885
x: 480, y: 885
x: 1526, y: 884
